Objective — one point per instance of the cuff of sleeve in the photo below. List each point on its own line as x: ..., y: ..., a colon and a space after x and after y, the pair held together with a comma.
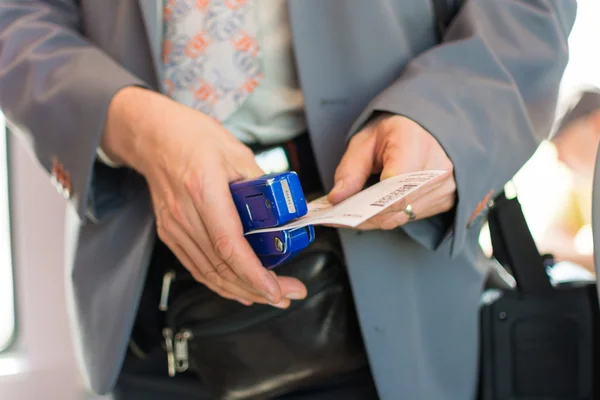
x: 105, y: 159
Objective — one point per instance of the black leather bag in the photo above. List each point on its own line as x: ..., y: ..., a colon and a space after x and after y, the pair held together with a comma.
x: 260, y: 352
x: 538, y: 341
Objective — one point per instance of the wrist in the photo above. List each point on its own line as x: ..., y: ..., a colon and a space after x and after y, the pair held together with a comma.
x: 129, y: 125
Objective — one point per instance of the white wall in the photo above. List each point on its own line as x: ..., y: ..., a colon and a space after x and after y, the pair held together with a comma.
x: 583, y: 70
x: 41, y: 364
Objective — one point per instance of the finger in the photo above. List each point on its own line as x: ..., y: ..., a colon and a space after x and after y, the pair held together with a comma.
x: 436, y: 199
x: 368, y: 225
x: 355, y: 167
x: 422, y: 209
x: 223, y: 225
x: 338, y: 226
x: 198, y: 233
x: 430, y: 191
x: 204, y: 271
x: 291, y: 288
x: 190, y: 265
x: 171, y: 231
x: 400, y: 154
x: 244, y: 164
x: 397, y: 207
x: 250, y: 171
x: 187, y: 216
x: 228, y: 290
x: 438, y: 187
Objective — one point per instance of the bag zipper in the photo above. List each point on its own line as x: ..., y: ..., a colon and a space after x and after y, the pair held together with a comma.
x: 177, y: 350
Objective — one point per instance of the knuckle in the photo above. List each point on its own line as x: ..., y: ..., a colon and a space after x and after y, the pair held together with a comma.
x: 245, y: 152
x: 161, y: 212
x: 165, y: 226
x: 224, y: 248
x: 168, y: 226
x: 192, y: 183
x: 176, y: 211
x: 198, y: 276
x: 225, y: 272
x: 161, y: 232
x: 214, y: 277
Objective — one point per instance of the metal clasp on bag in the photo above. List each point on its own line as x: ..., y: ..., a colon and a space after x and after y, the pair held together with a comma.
x: 168, y: 278
x: 182, y: 361
x: 177, y: 350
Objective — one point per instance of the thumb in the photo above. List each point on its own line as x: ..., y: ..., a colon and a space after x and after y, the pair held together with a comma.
x: 252, y: 171
x: 354, y: 168
x: 248, y: 170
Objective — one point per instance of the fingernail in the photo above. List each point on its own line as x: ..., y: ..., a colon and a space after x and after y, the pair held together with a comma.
x: 295, y: 296
x: 282, y: 304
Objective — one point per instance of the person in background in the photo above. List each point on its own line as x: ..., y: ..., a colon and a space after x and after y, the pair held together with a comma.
x: 555, y: 190
x: 142, y: 112
x: 569, y: 236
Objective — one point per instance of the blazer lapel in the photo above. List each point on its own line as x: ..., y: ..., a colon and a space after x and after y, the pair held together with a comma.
x: 152, y: 16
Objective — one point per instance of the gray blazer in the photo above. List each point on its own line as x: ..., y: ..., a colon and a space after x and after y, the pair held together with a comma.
x: 487, y: 93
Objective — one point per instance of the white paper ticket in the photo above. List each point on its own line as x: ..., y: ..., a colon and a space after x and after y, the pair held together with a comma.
x: 358, y: 208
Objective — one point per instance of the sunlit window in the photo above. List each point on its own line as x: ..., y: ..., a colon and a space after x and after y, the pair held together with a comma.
x: 7, y: 304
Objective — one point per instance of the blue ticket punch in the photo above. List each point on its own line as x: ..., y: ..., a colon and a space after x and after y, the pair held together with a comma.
x: 267, y: 202
x: 273, y: 248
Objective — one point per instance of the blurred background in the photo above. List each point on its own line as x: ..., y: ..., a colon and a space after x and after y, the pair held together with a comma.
x: 555, y: 186
x: 35, y: 344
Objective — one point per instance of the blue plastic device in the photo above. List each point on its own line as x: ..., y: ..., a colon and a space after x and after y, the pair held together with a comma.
x: 270, y: 201
x: 273, y: 248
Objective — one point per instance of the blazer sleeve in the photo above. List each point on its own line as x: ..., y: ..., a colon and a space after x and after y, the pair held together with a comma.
x: 55, y: 89
x: 488, y: 94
